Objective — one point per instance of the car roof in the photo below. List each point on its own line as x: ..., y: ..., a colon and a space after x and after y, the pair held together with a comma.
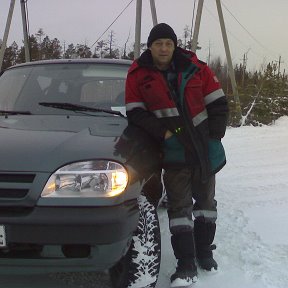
x: 75, y: 61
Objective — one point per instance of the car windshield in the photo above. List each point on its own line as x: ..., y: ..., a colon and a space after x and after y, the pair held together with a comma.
x: 94, y: 85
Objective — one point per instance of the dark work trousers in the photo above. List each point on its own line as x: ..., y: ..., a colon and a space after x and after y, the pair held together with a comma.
x: 187, y: 195
x: 153, y: 189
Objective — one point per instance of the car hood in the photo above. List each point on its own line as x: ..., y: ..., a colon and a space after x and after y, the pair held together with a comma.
x: 44, y: 143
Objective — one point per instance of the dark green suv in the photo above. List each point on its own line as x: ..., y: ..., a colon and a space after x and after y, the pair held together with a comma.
x: 73, y: 174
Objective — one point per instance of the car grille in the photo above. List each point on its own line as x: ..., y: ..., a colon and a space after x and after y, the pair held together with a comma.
x: 15, y: 186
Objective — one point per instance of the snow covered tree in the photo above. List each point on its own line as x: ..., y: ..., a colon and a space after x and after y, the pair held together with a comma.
x: 10, y: 55
x: 83, y: 51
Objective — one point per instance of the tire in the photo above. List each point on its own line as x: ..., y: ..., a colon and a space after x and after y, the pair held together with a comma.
x: 140, y: 267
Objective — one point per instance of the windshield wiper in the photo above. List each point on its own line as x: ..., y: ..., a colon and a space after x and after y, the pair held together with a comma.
x: 10, y: 112
x: 77, y: 107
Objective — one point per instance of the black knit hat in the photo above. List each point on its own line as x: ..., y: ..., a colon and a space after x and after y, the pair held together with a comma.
x: 161, y: 30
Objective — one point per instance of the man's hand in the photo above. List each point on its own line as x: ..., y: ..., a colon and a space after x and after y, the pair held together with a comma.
x: 168, y: 134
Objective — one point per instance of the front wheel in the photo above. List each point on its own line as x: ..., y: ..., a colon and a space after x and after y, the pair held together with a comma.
x: 140, y: 267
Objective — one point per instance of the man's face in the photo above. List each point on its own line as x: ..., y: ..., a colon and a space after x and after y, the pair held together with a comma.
x: 162, y: 52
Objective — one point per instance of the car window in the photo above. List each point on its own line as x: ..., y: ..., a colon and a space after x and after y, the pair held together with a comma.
x: 95, y: 85
x: 11, y: 85
x: 106, y: 92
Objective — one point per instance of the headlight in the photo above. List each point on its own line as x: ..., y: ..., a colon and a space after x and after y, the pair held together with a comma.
x: 87, y: 179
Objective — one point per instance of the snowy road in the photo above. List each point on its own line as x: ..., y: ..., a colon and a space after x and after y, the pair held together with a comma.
x: 252, y: 234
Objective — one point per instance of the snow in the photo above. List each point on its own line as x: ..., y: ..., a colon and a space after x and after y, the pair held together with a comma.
x: 252, y: 225
x: 252, y: 228
x: 183, y: 282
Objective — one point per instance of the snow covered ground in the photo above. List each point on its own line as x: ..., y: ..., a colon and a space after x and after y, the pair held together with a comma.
x: 252, y: 195
x: 252, y: 230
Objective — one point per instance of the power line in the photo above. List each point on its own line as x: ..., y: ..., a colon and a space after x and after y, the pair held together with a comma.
x: 217, y: 20
x: 234, y: 36
x: 112, y: 23
x: 259, y: 43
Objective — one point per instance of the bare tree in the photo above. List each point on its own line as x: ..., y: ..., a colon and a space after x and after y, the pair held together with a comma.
x: 111, y: 42
x: 186, y: 36
x: 40, y: 33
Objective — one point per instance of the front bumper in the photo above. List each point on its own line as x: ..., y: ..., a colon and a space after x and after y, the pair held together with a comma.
x: 51, y: 260
x: 105, y: 231
x: 70, y: 225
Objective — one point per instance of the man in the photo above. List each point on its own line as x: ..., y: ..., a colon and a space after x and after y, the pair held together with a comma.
x: 178, y: 100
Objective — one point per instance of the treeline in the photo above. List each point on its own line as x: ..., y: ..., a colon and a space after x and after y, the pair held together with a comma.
x: 42, y: 47
x: 263, y: 94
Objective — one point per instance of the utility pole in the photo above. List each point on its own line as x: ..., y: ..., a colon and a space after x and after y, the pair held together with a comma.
x: 243, y: 68
x: 25, y: 31
x: 6, y: 32
x: 153, y: 12
x: 279, y: 64
x: 229, y: 60
x: 226, y: 46
x: 245, y: 58
x: 194, y: 43
x: 138, y: 29
x: 64, y: 49
x: 209, y: 54
x: 137, y: 46
x: 192, y: 23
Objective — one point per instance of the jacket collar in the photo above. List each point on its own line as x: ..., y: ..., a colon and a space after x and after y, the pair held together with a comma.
x: 181, y: 59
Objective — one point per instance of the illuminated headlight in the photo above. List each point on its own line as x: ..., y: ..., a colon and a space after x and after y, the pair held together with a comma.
x: 87, y: 179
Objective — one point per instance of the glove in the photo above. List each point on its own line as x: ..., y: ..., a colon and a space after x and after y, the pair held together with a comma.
x: 174, y: 151
x: 216, y: 155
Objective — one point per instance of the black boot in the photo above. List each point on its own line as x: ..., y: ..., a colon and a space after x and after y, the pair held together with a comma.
x: 204, y: 237
x: 184, y: 250
x: 185, y: 274
x: 205, y: 258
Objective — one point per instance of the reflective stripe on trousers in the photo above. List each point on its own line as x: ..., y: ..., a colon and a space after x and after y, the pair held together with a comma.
x: 182, y: 186
x: 208, y: 215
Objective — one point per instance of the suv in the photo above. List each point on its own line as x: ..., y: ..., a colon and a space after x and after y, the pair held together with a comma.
x: 73, y: 174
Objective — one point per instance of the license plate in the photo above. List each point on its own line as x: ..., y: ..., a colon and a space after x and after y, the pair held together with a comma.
x: 2, y: 236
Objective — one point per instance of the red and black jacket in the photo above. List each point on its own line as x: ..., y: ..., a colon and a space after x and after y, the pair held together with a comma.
x: 200, y: 108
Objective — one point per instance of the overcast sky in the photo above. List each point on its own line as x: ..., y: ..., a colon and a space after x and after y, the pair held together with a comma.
x: 255, y: 27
